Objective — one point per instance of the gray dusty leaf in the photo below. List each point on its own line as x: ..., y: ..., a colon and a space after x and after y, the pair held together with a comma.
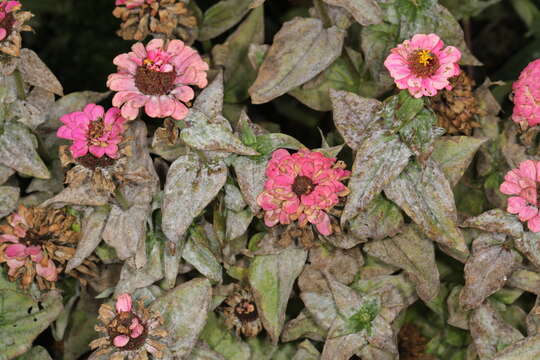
x: 190, y: 186
x: 454, y: 154
x: 353, y: 116
x: 18, y: 151
x: 425, y: 195
x: 203, y: 260
x: 306, y: 351
x: 529, y: 245
x: 79, y: 195
x: 35, y: 353
x: 184, y: 310
x: 303, y: 326
x: 379, y: 160
x: 251, y: 176
x: 202, y: 351
x: 36, y: 73
x: 23, y: 317
x: 237, y: 223
x: 415, y: 254
x: 92, y: 227
x: 9, y: 195
x: 33, y: 110
x: 5, y: 173
x: 490, y: 332
x: 528, y: 348
x: 496, y: 220
x: 457, y: 316
x: 365, y: 12
x: 50, y: 186
x: 320, y: 307
x: 301, y: 49
x: 221, y: 17
x: 222, y: 341
x: 272, y: 277
x: 380, y: 219
x: 525, y: 279
x: 486, y: 271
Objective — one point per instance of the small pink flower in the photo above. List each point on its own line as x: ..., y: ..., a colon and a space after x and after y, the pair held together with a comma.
x: 123, y: 303
x: 120, y: 340
x: 522, y: 183
x: 302, y: 186
x: 422, y: 66
x: 157, y: 77
x: 7, y: 19
x: 92, y: 130
x: 526, y: 99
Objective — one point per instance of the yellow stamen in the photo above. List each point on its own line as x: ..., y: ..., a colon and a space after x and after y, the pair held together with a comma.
x: 148, y: 62
x: 424, y: 57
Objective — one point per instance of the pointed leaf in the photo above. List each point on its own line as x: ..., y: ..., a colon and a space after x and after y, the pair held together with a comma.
x: 221, y: 17
x: 203, y: 260
x: 496, y: 220
x: 528, y: 348
x: 380, y: 219
x: 222, y: 341
x: 9, y: 195
x: 36, y: 73
x: 365, y: 12
x: 529, y: 245
x: 251, y: 176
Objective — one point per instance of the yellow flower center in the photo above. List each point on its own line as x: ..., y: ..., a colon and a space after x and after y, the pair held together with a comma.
x: 424, y: 57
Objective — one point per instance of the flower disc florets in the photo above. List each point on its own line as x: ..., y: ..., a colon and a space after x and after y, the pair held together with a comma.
x: 302, y: 186
x: 523, y: 183
x: 241, y: 314
x: 157, y: 77
x: 422, y: 66
x: 12, y: 22
x: 526, y: 91
x: 131, y: 331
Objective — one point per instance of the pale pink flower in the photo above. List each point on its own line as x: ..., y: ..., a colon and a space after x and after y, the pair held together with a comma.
x: 123, y: 303
x: 302, y: 186
x: 422, y: 66
x: 523, y: 182
x: 157, y: 77
x: 7, y: 19
x: 526, y: 91
x: 93, y: 131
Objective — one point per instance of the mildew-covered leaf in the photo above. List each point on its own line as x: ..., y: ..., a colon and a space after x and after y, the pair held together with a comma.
x: 496, y: 220
x: 528, y: 348
x: 18, y: 151
x: 415, y: 254
x: 237, y: 223
x: 5, y: 173
x: 35, y: 353
x: 250, y: 174
x: 301, y: 49
x: 79, y: 195
x: 202, y: 351
x: 209, y: 103
x: 36, y: 73
x: 457, y: 316
x: 320, y: 307
x: 490, y: 332
x: 272, y: 277
x: 379, y: 160
x: 365, y: 12
x: 184, y: 310
x: 353, y: 116
x: 454, y: 154
x: 425, y: 195
x: 303, y: 326
x: 190, y: 186
x: 306, y: 351
x: 529, y: 245
x: 23, y: 317
x: 9, y: 195
x: 525, y: 279
x: 222, y: 341
x: 222, y: 16
x: 202, y: 259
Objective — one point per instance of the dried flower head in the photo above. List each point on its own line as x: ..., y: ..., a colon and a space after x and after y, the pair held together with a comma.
x: 526, y: 91
x: 157, y: 77
x: 522, y: 183
x: 241, y: 314
x: 457, y: 108
x: 303, y: 186
x: 143, y: 17
x: 422, y: 66
x: 37, y: 243
x: 131, y: 331
x: 12, y: 22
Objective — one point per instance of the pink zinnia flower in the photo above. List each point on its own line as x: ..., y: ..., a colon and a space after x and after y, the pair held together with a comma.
x: 158, y: 78
x: 526, y: 92
x: 422, y: 65
x: 522, y: 183
x: 92, y: 130
x: 7, y: 19
x: 302, y: 186
x: 135, y: 328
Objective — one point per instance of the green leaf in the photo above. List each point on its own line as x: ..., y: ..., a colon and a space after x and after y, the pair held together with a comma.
x: 221, y: 340
x: 36, y: 353
x: 380, y: 219
x: 362, y: 319
x: 221, y: 17
x: 199, y: 255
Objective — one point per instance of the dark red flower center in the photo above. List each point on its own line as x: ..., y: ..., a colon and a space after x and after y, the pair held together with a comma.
x: 120, y: 326
x: 33, y: 238
x: 8, y: 22
x: 96, y: 129
x: 92, y: 162
x: 246, y: 311
x: 153, y: 82
x: 423, y: 63
x: 302, y: 185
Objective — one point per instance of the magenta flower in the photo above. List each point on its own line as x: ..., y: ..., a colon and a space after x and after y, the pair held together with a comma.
x: 92, y: 130
x: 123, y: 305
x: 527, y: 96
x: 422, y: 66
x: 158, y: 78
x: 302, y: 186
x: 522, y: 183
x: 7, y: 19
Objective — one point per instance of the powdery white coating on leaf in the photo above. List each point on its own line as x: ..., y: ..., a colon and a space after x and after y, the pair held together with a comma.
x: 425, y: 195
x: 221, y: 17
x: 184, y: 310
x: 380, y: 219
x: 496, y: 220
x: 353, y: 116
x: 306, y: 351
x: 301, y: 49
x: 272, y: 277
x: 36, y: 73
x: 33, y: 110
x: 250, y: 174
x: 379, y: 160
x: 365, y: 12
x: 528, y: 348
x: 190, y: 186
x: 201, y: 351
x: 321, y: 308
x: 525, y: 279
x: 36, y: 353
x: 5, y: 173
x: 412, y: 252
x: 125, y: 229
x: 529, y: 245
x: 237, y: 223
x: 9, y: 195
x: 202, y: 259
x: 18, y: 151
x: 79, y: 195
x: 303, y: 326
x: 457, y: 316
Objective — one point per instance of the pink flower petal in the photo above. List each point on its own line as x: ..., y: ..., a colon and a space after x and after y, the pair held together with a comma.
x: 48, y: 272
x: 515, y: 204
x: 15, y: 250
x: 120, y: 340
x: 534, y: 224
x: 123, y: 303
x: 527, y: 212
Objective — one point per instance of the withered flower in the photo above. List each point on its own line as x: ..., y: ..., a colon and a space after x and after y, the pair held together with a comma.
x: 36, y: 243
x: 241, y: 313
x: 12, y: 22
x: 458, y: 108
x: 143, y: 17
x: 131, y: 331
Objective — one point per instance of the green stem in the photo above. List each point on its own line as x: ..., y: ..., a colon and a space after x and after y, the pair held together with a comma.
x: 124, y: 204
x: 20, y: 85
